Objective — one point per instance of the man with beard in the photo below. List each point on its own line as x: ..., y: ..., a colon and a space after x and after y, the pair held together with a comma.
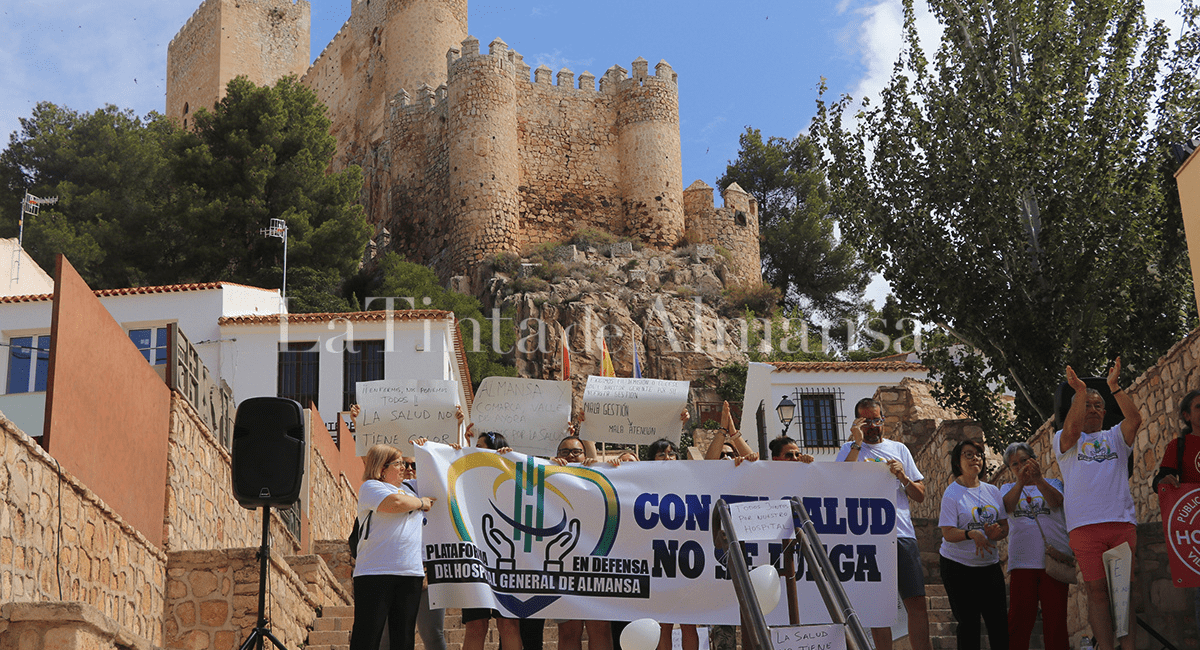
x: 868, y: 444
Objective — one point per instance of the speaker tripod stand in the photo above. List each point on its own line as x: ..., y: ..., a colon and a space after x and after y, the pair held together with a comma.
x: 263, y: 629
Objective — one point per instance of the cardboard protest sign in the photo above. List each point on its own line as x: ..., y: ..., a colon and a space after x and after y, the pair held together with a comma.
x: 532, y: 414
x: 1118, y: 566
x: 809, y: 637
x: 397, y: 411
x: 762, y: 520
x: 1180, y: 508
x: 537, y: 540
x: 627, y: 410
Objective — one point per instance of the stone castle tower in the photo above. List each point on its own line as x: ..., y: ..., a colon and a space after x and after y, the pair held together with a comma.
x: 465, y: 154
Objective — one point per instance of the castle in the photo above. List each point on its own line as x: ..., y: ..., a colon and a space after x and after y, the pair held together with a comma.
x: 466, y: 154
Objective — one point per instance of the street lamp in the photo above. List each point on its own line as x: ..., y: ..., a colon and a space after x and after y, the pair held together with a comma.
x: 787, y: 412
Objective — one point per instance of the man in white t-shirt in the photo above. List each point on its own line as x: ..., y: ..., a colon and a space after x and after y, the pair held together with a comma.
x: 868, y: 444
x: 1096, y: 498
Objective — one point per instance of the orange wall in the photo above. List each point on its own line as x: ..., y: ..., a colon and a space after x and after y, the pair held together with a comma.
x: 107, y: 411
x: 1188, y: 177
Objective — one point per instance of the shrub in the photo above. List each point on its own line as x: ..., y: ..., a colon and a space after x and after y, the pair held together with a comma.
x: 585, y: 237
x: 552, y: 270
x: 508, y: 263
x: 688, y: 238
x: 762, y: 299
x: 529, y: 285
x: 709, y: 424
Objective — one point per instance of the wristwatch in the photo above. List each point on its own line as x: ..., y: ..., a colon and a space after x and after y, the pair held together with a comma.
x: 855, y: 445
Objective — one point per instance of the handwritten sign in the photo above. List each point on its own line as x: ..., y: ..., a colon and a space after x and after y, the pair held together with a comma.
x: 809, y: 637
x: 626, y: 410
x: 755, y: 521
x: 532, y: 414
x: 1118, y: 564
x: 397, y: 411
x: 1181, y: 528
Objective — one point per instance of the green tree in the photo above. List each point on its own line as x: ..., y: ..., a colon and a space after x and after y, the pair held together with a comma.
x: 1015, y: 189
x: 393, y: 277
x: 110, y: 171
x: 801, y: 253
x: 262, y: 154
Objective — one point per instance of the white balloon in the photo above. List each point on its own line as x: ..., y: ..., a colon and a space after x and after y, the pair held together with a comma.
x: 766, y: 586
x: 641, y: 634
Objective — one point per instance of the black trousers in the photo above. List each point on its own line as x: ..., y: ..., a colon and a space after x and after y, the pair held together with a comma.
x: 974, y: 593
x: 386, y: 599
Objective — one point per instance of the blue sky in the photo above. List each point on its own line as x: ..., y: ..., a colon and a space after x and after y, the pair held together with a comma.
x: 755, y: 62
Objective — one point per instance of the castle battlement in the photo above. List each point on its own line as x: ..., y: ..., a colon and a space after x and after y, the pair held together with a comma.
x: 467, y: 154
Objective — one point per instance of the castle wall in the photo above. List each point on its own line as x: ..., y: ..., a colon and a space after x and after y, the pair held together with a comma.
x: 383, y: 48
x: 735, y: 227
x: 262, y: 39
x: 649, y: 158
x: 484, y: 174
x: 568, y: 157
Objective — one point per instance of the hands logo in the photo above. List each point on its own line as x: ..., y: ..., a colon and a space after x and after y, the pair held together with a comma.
x: 513, y: 531
x: 986, y: 515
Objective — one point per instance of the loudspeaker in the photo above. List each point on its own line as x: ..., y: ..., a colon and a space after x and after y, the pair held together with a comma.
x: 268, y: 452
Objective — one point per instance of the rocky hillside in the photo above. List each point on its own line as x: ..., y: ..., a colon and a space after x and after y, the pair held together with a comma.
x: 673, y: 305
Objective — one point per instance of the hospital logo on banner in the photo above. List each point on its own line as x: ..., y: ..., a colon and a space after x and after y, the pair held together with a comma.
x: 525, y: 542
x: 1181, y: 527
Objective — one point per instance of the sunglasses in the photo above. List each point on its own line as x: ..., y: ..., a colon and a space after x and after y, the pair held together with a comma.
x: 564, y: 452
x: 728, y: 454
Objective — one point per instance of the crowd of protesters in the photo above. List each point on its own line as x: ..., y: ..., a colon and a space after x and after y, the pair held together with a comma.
x: 1051, y: 526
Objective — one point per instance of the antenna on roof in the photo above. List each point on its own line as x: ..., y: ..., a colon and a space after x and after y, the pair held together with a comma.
x: 279, y: 230
x: 29, y: 206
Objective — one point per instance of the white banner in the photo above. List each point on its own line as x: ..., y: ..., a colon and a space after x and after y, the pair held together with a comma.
x: 397, y: 411
x: 533, y: 539
x: 532, y: 414
x: 627, y: 410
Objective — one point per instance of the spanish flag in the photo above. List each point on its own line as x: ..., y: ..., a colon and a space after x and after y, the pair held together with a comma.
x: 606, y: 364
x: 566, y: 356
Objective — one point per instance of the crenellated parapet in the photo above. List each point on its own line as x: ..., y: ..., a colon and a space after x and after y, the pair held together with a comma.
x: 733, y: 226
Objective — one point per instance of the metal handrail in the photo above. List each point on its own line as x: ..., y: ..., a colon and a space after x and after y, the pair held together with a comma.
x: 836, y: 601
x: 725, y: 539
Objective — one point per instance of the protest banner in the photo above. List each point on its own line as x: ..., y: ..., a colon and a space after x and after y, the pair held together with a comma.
x: 397, y: 411
x: 1181, y: 528
x: 627, y: 410
x: 532, y: 414
x: 534, y: 539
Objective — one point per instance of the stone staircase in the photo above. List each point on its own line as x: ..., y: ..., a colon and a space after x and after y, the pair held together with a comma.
x: 331, y: 631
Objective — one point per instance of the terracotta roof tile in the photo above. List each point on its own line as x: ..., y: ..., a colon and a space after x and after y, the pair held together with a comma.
x: 132, y: 291
x: 354, y: 316
x: 848, y: 366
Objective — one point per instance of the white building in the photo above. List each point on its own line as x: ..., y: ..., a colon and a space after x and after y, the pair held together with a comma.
x: 241, y: 336
x: 19, y: 274
x: 824, y: 394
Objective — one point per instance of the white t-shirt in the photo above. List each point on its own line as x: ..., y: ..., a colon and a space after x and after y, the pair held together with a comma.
x: 970, y: 509
x: 391, y: 545
x: 1026, y: 550
x: 881, y: 452
x: 1096, y: 475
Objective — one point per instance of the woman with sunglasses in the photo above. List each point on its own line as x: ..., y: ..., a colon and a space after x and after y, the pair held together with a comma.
x: 972, y: 520
x: 388, y: 571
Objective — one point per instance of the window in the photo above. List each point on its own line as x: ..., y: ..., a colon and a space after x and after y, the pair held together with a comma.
x: 820, y: 416
x: 152, y: 343
x: 364, y: 363
x: 299, y: 372
x: 28, y: 363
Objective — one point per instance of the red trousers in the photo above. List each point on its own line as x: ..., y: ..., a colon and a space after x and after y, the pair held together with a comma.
x: 1026, y: 588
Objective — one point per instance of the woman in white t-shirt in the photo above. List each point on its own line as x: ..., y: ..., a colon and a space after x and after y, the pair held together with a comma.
x: 388, y: 571
x: 972, y: 521
x: 1037, y: 527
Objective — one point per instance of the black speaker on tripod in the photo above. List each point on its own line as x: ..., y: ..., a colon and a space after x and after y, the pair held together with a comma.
x: 268, y: 470
x: 268, y: 452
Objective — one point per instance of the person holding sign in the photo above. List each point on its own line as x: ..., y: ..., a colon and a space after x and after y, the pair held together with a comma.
x: 1096, y: 496
x: 972, y: 521
x: 1034, y: 505
x: 388, y: 571
x: 1181, y: 460
x: 868, y: 444
x: 785, y: 448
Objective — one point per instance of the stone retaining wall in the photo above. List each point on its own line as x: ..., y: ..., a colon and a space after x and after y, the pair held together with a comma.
x: 60, y: 542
